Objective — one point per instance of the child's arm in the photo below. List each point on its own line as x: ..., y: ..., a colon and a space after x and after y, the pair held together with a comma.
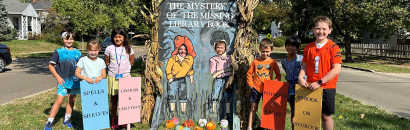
x: 329, y: 76
x: 284, y: 67
x: 54, y: 72
x: 277, y: 71
x: 168, y: 69
x: 132, y: 59
x: 103, y: 76
x: 249, y: 75
x: 78, y: 75
x: 302, y: 73
x: 107, y: 60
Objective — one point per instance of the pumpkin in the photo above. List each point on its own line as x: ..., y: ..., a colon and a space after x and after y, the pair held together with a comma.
x: 198, y: 128
x: 169, y: 124
x: 179, y: 127
x: 224, y: 123
x: 175, y: 120
x: 262, y: 70
x: 210, y: 125
x: 202, y: 122
x: 189, y: 124
x: 186, y: 127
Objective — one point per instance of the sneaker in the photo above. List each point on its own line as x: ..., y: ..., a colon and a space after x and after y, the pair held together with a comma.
x: 48, y: 126
x: 68, y: 124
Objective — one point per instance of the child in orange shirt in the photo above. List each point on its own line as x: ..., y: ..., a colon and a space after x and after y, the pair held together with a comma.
x: 322, y: 63
x: 262, y: 69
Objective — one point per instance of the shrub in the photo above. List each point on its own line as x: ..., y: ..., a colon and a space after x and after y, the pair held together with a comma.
x: 283, y: 38
x: 14, y: 32
x: 277, y: 42
x: 302, y: 46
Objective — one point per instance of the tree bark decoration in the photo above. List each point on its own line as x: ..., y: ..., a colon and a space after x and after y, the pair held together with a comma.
x: 244, y: 53
x: 153, y: 73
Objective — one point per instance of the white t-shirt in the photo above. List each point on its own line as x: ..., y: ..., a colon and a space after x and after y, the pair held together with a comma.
x: 89, y: 68
x: 321, y: 45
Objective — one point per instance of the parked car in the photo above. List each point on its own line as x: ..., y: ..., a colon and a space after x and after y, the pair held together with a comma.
x: 107, y: 42
x: 5, y: 57
x: 139, y: 39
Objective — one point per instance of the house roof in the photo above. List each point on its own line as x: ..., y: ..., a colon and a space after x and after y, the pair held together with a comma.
x: 15, y: 6
x: 41, y: 5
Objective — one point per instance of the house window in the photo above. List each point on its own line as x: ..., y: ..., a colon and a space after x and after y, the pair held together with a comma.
x: 29, y: 24
x: 371, y: 36
x: 16, y: 23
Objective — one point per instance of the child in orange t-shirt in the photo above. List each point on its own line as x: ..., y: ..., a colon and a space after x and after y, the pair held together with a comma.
x: 262, y: 69
x: 322, y: 63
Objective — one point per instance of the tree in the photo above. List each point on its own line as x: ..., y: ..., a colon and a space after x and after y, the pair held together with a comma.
x: 265, y: 13
x: 94, y: 16
x: 5, y: 29
x: 350, y: 18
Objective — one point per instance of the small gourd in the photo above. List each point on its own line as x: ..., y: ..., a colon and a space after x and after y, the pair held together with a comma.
x: 189, y: 123
x: 198, y: 128
x: 224, y: 123
x: 175, y: 120
x: 210, y: 125
x: 179, y: 127
x: 186, y: 128
x: 202, y: 122
x: 169, y: 124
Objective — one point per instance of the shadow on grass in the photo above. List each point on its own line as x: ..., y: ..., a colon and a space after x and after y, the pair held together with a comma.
x: 377, y: 121
x: 76, y: 116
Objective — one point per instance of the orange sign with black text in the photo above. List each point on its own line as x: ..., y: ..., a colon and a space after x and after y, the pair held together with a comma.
x: 275, y: 96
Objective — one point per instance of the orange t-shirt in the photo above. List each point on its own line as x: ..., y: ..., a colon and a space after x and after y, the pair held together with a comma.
x: 261, y: 70
x: 320, y: 61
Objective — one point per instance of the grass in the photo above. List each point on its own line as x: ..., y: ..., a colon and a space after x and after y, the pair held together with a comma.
x: 378, y: 67
x: 30, y: 46
x: 37, y: 55
x: 379, y: 64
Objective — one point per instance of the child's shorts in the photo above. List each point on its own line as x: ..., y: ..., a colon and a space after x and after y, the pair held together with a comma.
x: 64, y: 91
x: 255, y: 96
x: 112, y: 85
x: 291, y: 99
x: 328, y: 101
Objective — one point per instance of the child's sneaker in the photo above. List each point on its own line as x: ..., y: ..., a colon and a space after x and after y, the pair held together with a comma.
x: 48, y: 126
x: 68, y: 124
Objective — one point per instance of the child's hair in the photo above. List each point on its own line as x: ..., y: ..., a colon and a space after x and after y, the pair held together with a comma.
x: 322, y: 19
x: 265, y: 43
x: 93, y: 43
x: 294, y: 40
x: 126, y: 43
x: 219, y: 43
x: 68, y: 32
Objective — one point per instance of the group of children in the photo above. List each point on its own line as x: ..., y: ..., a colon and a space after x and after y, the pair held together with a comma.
x: 69, y: 68
x: 318, y: 67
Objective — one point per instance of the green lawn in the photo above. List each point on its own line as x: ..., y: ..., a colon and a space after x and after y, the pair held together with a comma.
x: 369, y: 63
x: 30, y: 46
x: 32, y: 113
x: 378, y: 67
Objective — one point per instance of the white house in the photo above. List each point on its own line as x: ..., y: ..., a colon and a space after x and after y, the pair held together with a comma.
x: 371, y: 38
x: 275, y: 31
x: 41, y: 8
x: 23, y: 17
